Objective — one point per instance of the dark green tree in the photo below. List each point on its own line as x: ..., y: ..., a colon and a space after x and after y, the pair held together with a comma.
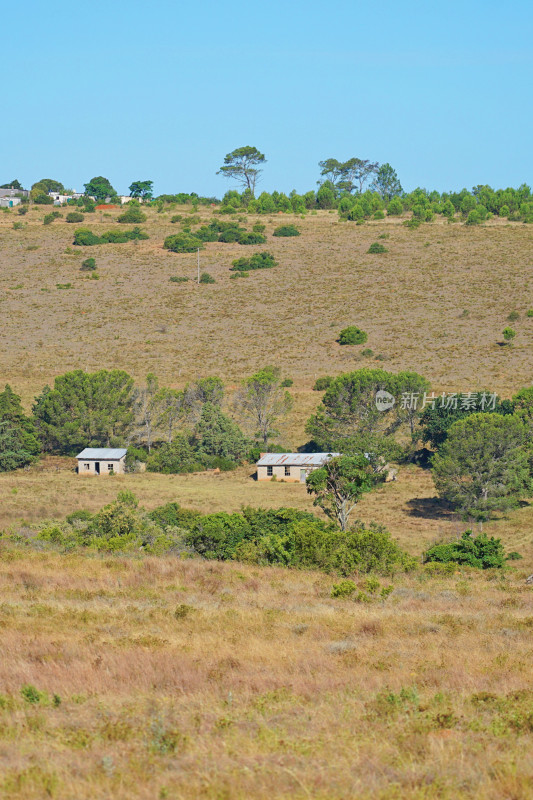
x: 386, y: 182
x: 100, y: 188
x: 142, y: 189
x: 242, y: 166
x: 218, y: 435
x: 85, y: 409
x: 484, y: 464
x: 339, y: 485
x: 46, y: 185
x: 437, y: 417
x: 19, y: 445
x: 473, y: 551
x: 13, y: 185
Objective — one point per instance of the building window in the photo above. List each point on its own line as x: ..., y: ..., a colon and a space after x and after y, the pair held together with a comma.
x: 110, y: 467
x: 270, y: 471
x: 287, y: 472
x: 86, y: 466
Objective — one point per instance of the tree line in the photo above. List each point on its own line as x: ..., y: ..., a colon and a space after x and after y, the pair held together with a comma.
x: 481, y: 451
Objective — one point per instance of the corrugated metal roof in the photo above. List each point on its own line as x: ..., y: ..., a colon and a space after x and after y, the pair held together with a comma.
x: 103, y: 453
x: 295, y: 459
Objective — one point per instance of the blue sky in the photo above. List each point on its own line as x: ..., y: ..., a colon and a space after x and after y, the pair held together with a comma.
x: 163, y: 90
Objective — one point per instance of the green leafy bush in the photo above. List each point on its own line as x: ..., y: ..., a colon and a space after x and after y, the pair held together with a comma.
x: 205, y: 277
x: 474, y: 551
x: 74, y: 216
x: 49, y: 218
x: 132, y: 215
x: 262, y: 260
x: 83, y: 237
x: 178, y: 279
x: 176, y: 218
x: 89, y: 265
x: 377, y: 247
x: 344, y: 588
x: 251, y: 238
x: 286, y: 230
x: 183, y: 243
x: 43, y: 200
x: 259, y: 227
x: 352, y: 335
x: 321, y: 384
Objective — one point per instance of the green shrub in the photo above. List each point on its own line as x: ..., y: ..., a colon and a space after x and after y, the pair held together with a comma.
x: 286, y: 230
x: 356, y: 213
x: 251, y: 238
x: 133, y: 214
x: 378, y: 214
x: 239, y: 275
x: 178, y: 279
x: 30, y: 694
x: 74, y: 216
x: 321, y: 384
x: 83, y: 237
x: 352, y: 335
x: 474, y: 217
x: 286, y: 382
x: 474, y: 551
x: 43, y: 200
x: 508, y: 334
x: 530, y: 313
x: 176, y: 218
x: 49, y: 218
x: 21, y: 210
x: 377, y: 247
x: 88, y: 265
x: 258, y: 228
x: 205, y: 277
x: 183, y: 243
x: 17, y: 226
x: 262, y: 260
x: 344, y: 588
x: 513, y: 316
x: 395, y: 207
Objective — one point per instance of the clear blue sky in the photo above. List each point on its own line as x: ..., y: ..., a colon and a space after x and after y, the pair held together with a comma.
x: 162, y: 90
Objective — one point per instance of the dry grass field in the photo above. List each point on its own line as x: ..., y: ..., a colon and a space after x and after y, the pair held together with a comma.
x: 161, y: 678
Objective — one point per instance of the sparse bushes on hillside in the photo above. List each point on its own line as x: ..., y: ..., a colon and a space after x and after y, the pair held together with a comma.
x: 321, y: 384
x: 84, y: 237
x: 89, y: 265
x: 49, y: 218
x: 205, y: 277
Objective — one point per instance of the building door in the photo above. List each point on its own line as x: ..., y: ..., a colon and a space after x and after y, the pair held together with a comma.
x: 303, y: 475
x: 97, y: 467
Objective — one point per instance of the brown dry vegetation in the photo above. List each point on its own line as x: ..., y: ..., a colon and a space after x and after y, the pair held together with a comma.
x: 183, y: 679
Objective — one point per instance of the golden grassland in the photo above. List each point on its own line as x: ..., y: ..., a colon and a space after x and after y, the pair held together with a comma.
x: 168, y: 678
x: 164, y: 678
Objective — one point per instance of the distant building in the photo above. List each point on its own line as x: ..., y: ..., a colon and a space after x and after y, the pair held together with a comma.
x: 59, y: 198
x: 9, y: 202
x: 14, y: 193
x: 290, y: 467
x: 102, y: 461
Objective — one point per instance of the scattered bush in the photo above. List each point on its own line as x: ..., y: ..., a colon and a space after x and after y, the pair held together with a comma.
x: 509, y: 334
x: 176, y: 218
x: 513, y: 316
x: 88, y: 265
x: 74, y: 216
x: 205, y: 277
x: 178, y: 279
x: 286, y: 382
x: 352, y: 335
x: 286, y: 230
x: 251, y: 238
x: 343, y: 588
x: 83, y: 237
x: 474, y: 551
x: 49, y: 218
x: 321, y: 384
x: 259, y: 227
x: 183, y: 243
x: 21, y: 210
x: 530, y: 313
x: 17, y: 226
x: 132, y: 215
x: 43, y: 200
x: 377, y: 247
x: 262, y: 260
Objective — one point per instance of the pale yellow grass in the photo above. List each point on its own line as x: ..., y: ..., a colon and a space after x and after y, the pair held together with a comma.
x: 183, y: 679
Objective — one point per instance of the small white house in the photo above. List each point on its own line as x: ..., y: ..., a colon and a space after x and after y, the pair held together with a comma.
x: 102, y: 461
x: 290, y: 467
x: 9, y: 202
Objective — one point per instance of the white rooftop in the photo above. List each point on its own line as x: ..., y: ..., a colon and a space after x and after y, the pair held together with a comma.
x: 103, y: 453
x: 295, y: 459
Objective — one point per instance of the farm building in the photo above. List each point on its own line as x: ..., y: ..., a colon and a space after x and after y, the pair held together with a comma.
x: 9, y: 202
x: 290, y: 467
x: 102, y: 461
